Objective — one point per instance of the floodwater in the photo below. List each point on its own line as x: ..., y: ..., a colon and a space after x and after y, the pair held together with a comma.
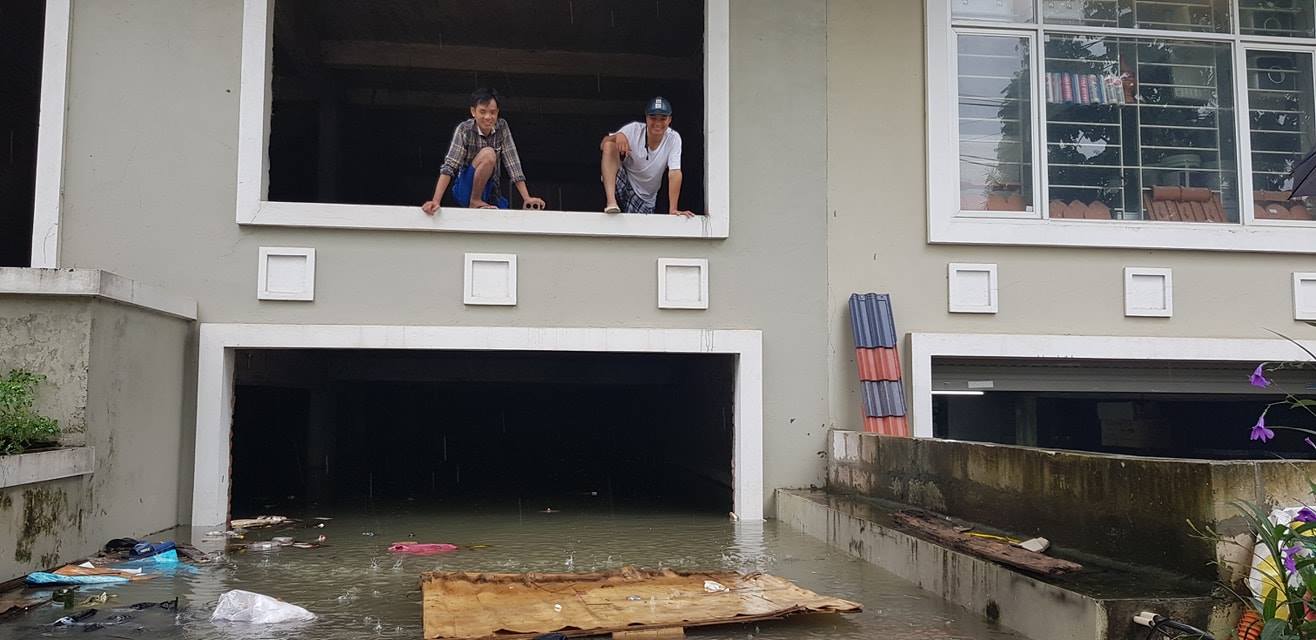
x: 359, y: 590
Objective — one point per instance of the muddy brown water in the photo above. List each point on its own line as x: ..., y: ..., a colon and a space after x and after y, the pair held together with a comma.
x: 359, y: 590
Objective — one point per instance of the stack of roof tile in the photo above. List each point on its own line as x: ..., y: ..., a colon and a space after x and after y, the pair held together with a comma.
x: 879, y: 364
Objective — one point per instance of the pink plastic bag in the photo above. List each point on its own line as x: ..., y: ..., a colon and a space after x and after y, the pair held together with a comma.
x: 422, y: 548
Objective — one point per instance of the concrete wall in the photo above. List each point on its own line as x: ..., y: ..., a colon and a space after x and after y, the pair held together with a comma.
x: 116, y: 376
x: 1132, y: 509
x: 877, y: 226
x: 149, y: 192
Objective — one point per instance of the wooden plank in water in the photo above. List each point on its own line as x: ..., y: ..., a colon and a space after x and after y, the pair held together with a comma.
x: 670, y: 633
x: 942, y: 531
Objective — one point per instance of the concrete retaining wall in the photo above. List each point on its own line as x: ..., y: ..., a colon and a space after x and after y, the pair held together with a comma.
x: 116, y: 384
x: 1127, y: 508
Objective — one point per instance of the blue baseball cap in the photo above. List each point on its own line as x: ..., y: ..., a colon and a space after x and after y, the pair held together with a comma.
x: 659, y: 106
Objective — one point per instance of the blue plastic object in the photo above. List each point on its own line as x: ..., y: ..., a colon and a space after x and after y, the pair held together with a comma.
x: 147, y: 549
x: 44, y: 578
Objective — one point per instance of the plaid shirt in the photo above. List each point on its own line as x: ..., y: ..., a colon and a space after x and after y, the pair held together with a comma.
x: 467, y: 141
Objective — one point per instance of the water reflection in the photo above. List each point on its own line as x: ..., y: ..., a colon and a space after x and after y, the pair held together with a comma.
x: 358, y: 590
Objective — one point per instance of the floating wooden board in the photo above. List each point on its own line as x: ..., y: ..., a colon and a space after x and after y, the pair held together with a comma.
x: 509, y: 606
x: 942, y: 531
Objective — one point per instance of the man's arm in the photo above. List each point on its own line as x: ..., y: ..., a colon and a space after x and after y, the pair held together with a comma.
x: 674, y: 194
x: 432, y: 205
x: 452, y: 163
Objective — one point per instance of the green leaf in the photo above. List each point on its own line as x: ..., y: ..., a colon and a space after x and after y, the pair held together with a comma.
x: 1276, y: 630
x: 1269, y: 608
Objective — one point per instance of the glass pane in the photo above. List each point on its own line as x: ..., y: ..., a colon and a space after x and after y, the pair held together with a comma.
x: 995, y: 122
x: 1276, y: 17
x: 1280, y: 116
x: 1003, y: 10
x: 1173, y: 15
x: 1140, y: 129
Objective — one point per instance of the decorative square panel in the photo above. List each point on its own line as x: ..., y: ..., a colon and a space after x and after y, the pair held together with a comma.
x: 286, y: 273
x: 1304, y: 296
x: 490, y: 279
x: 682, y: 283
x: 1148, y: 292
x: 971, y: 288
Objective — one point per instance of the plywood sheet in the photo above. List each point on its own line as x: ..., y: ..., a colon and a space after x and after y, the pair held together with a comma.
x: 470, y: 606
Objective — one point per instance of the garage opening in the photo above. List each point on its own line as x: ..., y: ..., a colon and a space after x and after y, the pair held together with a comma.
x: 366, y: 94
x: 504, y: 430
x: 21, y: 40
x: 1156, y: 408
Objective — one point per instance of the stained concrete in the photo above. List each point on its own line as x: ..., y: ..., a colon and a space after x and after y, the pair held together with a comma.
x: 1097, y: 603
x: 115, y: 383
x: 1129, y: 508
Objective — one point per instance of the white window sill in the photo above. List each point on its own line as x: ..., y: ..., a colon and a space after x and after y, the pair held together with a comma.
x: 1258, y: 236
x: 561, y: 223
x: 43, y: 466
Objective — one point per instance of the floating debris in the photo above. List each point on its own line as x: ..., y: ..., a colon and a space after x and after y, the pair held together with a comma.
x: 258, y: 522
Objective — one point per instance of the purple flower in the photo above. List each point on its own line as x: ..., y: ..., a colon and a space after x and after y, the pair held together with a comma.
x: 1259, y: 430
x: 1291, y: 558
x: 1305, y: 514
x: 1259, y: 377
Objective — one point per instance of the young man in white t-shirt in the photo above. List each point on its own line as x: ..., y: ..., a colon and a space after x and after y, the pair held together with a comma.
x: 634, y: 158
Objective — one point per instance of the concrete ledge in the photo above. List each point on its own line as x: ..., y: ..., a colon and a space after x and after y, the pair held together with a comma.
x: 94, y: 283
x: 1107, y: 505
x: 1031, y: 606
x: 28, y: 468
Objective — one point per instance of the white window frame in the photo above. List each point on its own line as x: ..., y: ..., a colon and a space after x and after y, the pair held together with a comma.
x: 49, y: 188
x: 946, y: 224
x: 219, y: 342
x: 924, y: 347
x: 253, y: 208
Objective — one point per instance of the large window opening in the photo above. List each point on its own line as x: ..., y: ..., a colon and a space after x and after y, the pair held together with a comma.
x: 1175, y: 409
x: 365, y: 96
x: 1098, y: 122
x: 502, y: 430
x: 21, y: 41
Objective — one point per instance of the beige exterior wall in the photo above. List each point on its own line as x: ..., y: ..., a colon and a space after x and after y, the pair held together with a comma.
x: 827, y: 190
x: 877, y: 227
x: 150, y: 194
x: 115, y: 381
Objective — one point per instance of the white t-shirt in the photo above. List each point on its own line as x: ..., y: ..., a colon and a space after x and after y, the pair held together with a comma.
x: 646, y: 167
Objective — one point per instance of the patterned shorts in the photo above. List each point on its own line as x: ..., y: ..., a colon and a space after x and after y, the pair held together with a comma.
x: 628, y: 199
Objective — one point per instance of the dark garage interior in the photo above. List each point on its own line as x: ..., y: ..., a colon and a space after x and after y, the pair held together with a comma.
x: 503, y: 430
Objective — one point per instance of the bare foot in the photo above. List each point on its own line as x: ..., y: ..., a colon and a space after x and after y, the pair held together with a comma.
x: 480, y: 204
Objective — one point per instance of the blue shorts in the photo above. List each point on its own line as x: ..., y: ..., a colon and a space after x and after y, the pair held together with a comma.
x: 461, y: 189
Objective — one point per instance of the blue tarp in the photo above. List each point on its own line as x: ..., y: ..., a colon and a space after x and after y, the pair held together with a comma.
x: 43, y: 578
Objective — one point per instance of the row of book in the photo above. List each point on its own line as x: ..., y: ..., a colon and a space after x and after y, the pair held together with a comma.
x: 1085, y: 88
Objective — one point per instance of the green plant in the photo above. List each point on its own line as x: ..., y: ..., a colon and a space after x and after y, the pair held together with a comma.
x: 1282, y: 586
x: 20, y: 425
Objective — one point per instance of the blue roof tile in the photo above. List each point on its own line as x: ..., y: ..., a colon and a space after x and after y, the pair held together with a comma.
x: 872, y: 321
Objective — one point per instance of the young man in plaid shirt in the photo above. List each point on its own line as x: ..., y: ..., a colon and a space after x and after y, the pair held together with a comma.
x: 472, y: 163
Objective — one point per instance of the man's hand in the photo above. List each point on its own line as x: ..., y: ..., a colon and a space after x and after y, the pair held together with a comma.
x: 686, y: 214
x: 431, y: 207
x: 533, y: 203
x: 623, y: 145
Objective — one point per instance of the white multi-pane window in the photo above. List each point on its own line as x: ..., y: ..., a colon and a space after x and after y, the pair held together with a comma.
x: 1156, y: 123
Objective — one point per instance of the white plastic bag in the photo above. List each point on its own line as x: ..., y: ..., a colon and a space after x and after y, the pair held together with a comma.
x: 244, y: 606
